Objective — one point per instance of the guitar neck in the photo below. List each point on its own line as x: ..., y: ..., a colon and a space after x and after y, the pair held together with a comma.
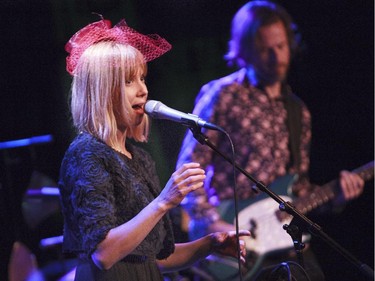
x: 323, y: 194
x: 366, y: 172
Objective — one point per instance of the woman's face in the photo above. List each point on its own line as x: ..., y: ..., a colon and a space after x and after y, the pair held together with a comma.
x: 136, y: 93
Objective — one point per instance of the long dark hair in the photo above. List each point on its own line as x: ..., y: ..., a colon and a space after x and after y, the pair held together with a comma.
x: 246, y: 23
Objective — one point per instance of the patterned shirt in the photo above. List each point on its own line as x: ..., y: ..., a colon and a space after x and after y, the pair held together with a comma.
x: 257, y: 126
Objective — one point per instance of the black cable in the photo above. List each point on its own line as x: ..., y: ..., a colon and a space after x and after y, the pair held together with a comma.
x: 301, y: 269
x: 201, y: 138
x: 235, y: 204
x: 274, y: 275
x: 282, y: 265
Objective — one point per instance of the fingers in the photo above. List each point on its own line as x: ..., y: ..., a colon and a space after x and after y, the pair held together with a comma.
x: 193, y: 183
x: 242, y: 250
x: 225, y: 243
x: 351, y: 185
x: 241, y: 232
x: 242, y: 242
x: 189, y: 177
x: 244, y: 232
x: 185, y: 167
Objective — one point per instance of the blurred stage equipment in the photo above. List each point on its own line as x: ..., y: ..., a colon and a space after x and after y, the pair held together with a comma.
x: 26, y: 142
x: 42, y: 213
x: 30, y: 210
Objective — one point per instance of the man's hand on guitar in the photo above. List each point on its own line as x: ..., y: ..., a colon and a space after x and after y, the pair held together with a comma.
x: 351, y: 186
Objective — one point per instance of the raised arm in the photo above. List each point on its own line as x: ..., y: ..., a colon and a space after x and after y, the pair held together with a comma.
x: 122, y: 240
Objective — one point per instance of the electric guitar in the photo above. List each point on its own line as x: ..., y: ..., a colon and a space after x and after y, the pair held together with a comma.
x: 261, y: 215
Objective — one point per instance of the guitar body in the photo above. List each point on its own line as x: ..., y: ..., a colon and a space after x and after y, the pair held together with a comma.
x: 261, y: 215
x: 268, y: 236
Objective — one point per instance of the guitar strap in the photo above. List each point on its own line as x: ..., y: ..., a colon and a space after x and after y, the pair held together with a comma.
x: 294, y: 115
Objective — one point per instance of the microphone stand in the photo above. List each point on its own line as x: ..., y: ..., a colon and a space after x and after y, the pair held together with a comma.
x: 299, y: 222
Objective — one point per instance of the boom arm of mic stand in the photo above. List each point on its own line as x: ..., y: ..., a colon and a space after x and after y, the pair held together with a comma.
x: 303, y: 221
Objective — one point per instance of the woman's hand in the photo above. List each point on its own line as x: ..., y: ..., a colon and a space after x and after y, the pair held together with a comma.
x: 187, y: 178
x: 225, y: 243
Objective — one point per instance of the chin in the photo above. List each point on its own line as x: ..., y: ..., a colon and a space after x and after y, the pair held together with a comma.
x: 277, y: 77
x: 138, y: 121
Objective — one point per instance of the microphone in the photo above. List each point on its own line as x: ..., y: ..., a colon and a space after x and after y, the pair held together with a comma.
x: 158, y: 110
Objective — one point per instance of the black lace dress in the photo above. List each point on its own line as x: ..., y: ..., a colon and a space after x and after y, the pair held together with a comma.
x: 101, y: 189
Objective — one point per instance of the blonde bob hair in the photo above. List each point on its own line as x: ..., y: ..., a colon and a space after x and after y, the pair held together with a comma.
x: 98, y: 96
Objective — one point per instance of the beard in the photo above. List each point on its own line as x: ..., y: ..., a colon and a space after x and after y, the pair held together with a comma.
x: 271, y: 74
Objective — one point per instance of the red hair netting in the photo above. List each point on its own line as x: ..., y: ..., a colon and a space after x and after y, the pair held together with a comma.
x: 151, y: 46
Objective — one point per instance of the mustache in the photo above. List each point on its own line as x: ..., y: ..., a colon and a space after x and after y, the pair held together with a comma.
x: 278, y: 65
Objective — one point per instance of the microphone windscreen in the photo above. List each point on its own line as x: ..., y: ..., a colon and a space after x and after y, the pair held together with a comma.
x: 150, y: 107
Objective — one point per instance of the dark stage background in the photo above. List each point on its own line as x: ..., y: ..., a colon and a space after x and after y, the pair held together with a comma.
x: 334, y: 77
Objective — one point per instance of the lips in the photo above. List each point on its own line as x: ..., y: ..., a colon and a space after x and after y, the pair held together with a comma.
x: 139, y: 108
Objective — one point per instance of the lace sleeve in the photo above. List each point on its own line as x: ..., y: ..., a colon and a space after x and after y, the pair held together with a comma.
x: 91, y: 199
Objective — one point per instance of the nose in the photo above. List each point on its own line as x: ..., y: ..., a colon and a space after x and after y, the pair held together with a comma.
x: 142, y: 90
x: 273, y: 55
